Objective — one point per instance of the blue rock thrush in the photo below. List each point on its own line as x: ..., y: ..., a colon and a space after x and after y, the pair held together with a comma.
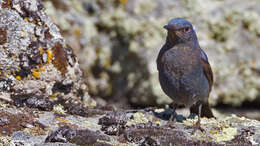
x: 185, y: 74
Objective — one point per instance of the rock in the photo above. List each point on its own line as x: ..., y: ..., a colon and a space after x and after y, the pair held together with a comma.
x: 35, y: 127
x: 117, y: 43
x: 38, y: 69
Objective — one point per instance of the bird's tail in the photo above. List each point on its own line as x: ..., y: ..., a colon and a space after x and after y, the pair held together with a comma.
x: 205, y: 110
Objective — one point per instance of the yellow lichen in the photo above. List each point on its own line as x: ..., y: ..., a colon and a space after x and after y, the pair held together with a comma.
x: 107, y: 63
x: 226, y: 134
x: 5, y: 140
x: 49, y: 52
x: 26, y: 19
x: 53, y: 95
x: 18, y: 78
x: 213, y: 131
x: 22, y: 34
x: 41, y: 50
x: 191, y: 122
x: 159, y: 110
x: 59, y: 109
x: 35, y: 131
x: 40, y: 23
x: 137, y: 119
x: 42, y: 69
x: 92, y: 103
x: 116, y: 143
x: 3, y: 104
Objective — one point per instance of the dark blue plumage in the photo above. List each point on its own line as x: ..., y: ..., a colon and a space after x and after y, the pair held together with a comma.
x: 184, y: 72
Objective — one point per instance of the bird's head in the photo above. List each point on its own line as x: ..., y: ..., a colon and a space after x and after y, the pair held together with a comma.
x: 180, y: 30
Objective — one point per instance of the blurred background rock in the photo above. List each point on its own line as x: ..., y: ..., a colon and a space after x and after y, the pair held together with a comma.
x: 117, y: 42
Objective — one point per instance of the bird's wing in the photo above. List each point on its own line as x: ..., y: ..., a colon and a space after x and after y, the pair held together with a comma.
x: 206, y: 110
x: 206, y: 68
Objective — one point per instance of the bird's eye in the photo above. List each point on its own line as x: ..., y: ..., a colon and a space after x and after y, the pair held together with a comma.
x: 186, y: 29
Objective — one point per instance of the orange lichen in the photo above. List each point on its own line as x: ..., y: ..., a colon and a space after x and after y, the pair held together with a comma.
x: 14, y: 122
x: 6, y: 3
x: 123, y: 2
x: 98, y: 50
x: 3, y: 36
x: 77, y: 31
x: 36, y: 73
x: 47, y: 34
x: 59, y: 60
x: 61, y: 120
x: 49, y: 56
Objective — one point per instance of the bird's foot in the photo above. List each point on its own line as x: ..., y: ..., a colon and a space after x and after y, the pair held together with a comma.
x: 172, y: 117
x: 180, y: 118
x: 192, y: 116
x: 168, y: 114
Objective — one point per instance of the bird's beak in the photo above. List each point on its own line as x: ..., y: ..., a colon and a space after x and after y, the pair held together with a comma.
x: 166, y: 27
x: 169, y: 27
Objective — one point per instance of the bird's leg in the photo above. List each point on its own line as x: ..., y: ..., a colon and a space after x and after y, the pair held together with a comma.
x: 197, y: 126
x: 173, y: 114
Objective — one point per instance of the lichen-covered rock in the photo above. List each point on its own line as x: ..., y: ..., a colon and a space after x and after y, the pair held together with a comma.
x: 117, y: 42
x: 27, y: 126
x: 37, y: 67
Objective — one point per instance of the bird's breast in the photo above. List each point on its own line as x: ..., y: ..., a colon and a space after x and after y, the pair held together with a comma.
x: 181, y: 75
x: 181, y: 61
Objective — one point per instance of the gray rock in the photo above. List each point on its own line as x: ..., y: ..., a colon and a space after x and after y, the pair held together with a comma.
x: 139, y: 127
x: 37, y: 66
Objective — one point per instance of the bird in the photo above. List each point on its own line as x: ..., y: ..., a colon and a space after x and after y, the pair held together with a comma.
x: 185, y: 74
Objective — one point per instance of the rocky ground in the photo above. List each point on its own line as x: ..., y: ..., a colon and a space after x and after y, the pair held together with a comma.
x: 104, y: 126
x: 44, y: 100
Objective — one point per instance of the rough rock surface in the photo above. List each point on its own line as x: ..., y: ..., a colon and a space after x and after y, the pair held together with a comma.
x: 37, y: 68
x: 117, y: 42
x: 30, y: 126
